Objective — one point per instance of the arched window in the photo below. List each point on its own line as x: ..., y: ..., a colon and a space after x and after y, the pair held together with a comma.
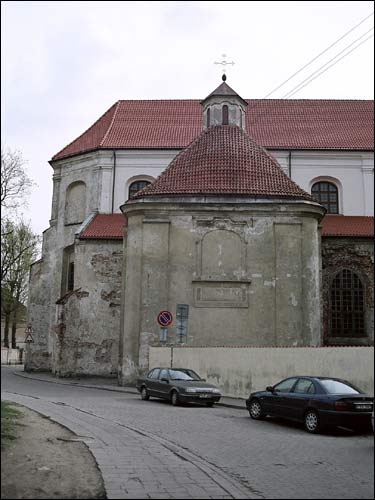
x: 137, y: 186
x: 347, y: 305
x: 225, y: 115
x: 326, y: 194
x: 208, y: 117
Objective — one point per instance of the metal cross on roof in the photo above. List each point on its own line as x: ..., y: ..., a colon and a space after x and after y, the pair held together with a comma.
x: 224, y: 62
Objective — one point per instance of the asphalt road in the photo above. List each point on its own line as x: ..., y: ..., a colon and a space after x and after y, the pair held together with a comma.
x: 149, y: 449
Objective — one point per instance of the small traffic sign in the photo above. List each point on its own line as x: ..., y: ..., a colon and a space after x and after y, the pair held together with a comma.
x: 165, y: 318
x: 29, y: 338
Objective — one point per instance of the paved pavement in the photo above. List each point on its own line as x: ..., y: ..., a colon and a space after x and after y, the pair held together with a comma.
x: 148, y: 449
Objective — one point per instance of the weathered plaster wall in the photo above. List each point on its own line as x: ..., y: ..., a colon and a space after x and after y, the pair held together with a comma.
x: 43, y: 293
x: 239, y: 371
x: 357, y: 255
x: 249, y: 274
x: 88, y: 320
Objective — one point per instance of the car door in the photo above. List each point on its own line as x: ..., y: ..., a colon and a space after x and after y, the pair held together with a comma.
x: 279, y: 397
x: 161, y: 386
x: 152, y: 381
x: 296, y: 401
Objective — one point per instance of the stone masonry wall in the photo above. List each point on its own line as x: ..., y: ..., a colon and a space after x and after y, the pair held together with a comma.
x: 357, y: 255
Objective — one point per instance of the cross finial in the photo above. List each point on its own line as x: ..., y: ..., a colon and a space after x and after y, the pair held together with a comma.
x: 224, y: 63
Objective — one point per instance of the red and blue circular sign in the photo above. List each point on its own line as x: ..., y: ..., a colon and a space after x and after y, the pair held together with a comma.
x: 165, y: 318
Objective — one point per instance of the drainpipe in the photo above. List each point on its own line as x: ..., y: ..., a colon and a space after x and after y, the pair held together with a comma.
x: 114, y: 178
x: 290, y: 164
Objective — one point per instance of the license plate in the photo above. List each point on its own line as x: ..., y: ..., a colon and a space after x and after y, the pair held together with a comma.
x: 363, y: 407
x: 203, y: 395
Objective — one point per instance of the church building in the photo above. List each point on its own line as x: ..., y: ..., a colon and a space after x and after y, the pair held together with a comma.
x: 249, y: 221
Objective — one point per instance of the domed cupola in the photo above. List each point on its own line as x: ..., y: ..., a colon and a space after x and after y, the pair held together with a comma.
x: 224, y: 107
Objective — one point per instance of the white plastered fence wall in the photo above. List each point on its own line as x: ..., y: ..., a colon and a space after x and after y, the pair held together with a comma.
x: 241, y: 370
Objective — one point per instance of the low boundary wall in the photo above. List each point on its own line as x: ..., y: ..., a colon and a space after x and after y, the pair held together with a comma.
x: 237, y: 371
x: 11, y: 356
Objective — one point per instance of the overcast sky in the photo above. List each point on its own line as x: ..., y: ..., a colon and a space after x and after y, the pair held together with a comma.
x: 65, y: 63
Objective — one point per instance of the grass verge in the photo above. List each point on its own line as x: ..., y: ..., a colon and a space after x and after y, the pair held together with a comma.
x: 9, y: 417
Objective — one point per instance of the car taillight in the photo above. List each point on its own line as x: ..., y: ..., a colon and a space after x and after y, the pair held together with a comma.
x: 342, y: 406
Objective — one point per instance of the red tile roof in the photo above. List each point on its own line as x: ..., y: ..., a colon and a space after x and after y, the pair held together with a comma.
x: 273, y: 123
x: 348, y: 225
x: 105, y: 226
x: 110, y: 226
x: 224, y: 160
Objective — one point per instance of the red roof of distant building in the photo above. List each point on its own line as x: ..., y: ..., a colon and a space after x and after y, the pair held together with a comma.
x: 105, y: 226
x: 224, y: 160
x: 273, y: 123
x: 348, y: 225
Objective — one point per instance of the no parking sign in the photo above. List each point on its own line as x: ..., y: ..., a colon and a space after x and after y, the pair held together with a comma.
x: 165, y: 318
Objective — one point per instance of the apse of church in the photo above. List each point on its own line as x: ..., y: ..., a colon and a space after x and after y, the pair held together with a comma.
x: 225, y: 232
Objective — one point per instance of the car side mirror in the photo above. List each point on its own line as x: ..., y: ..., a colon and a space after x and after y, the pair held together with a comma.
x: 165, y: 380
x: 269, y: 388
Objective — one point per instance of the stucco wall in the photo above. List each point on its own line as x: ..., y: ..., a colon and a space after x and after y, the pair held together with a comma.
x: 239, y: 371
x: 88, y: 320
x: 248, y: 272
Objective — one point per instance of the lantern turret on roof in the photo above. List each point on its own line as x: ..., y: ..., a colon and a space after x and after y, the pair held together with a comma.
x: 224, y: 107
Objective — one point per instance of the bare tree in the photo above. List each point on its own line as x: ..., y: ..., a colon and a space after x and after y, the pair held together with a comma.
x: 15, y: 183
x: 18, y: 250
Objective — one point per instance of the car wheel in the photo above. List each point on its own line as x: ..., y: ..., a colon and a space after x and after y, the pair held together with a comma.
x: 144, y: 394
x: 210, y: 404
x: 256, y: 410
x: 174, y: 398
x: 312, y: 423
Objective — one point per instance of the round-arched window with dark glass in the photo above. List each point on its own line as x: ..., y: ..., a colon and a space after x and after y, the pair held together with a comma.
x: 326, y: 194
x: 347, y: 305
x: 137, y: 186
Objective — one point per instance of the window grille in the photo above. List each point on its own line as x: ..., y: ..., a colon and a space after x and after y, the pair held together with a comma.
x: 137, y: 186
x: 326, y: 194
x: 182, y: 314
x: 347, y: 306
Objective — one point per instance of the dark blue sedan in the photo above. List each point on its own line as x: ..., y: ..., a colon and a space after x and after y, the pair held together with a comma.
x: 318, y: 402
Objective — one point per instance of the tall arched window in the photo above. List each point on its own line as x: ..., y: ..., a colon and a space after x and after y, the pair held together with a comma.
x: 326, y: 194
x: 137, y: 186
x: 347, y: 305
x: 225, y: 115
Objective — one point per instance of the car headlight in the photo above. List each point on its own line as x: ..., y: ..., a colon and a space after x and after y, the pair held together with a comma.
x: 190, y: 389
x: 216, y: 391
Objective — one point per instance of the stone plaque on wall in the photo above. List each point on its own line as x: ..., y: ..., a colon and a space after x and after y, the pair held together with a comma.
x: 220, y: 294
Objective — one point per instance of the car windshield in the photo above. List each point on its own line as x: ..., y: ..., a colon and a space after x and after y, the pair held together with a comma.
x: 183, y: 375
x: 336, y: 387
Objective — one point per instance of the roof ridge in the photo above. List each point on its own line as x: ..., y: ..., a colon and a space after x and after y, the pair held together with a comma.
x: 117, y: 104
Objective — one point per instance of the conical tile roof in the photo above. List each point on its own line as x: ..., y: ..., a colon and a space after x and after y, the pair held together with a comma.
x: 223, y: 90
x: 224, y: 160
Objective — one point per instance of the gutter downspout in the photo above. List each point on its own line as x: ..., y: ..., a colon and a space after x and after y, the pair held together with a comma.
x: 114, y: 178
